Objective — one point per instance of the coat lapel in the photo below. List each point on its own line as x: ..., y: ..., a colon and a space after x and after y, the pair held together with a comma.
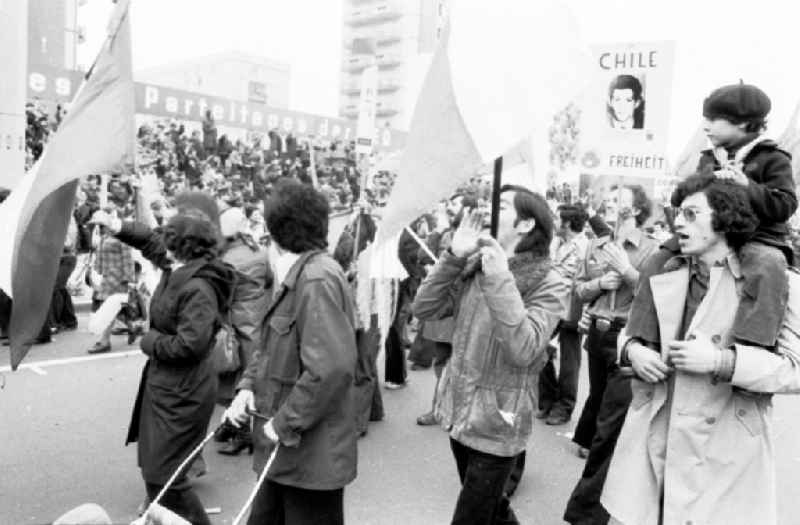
x: 669, y: 296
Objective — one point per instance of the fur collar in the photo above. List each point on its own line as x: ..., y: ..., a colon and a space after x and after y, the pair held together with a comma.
x: 528, y: 269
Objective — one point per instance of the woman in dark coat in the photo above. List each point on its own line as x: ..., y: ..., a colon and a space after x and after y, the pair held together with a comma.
x: 178, y: 387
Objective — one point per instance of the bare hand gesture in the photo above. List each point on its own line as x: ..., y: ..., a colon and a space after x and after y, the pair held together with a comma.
x: 610, y: 281
x: 238, y: 412
x: 734, y: 173
x: 465, y: 240
x: 696, y: 356
x: 647, y: 364
x: 493, y: 258
x: 102, y: 218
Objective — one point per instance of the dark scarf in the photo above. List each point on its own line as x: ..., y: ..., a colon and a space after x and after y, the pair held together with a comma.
x: 528, y: 269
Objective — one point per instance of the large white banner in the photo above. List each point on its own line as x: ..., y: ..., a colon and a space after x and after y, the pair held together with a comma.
x: 625, y: 112
x: 13, y: 42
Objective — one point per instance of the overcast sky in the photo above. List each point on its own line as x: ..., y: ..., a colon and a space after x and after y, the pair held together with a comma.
x: 718, y: 42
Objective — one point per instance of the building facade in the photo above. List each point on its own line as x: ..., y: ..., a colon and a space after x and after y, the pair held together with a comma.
x: 405, y: 33
x: 53, y: 33
x: 231, y: 75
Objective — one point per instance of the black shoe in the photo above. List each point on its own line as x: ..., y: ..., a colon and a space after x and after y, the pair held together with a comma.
x: 68, y: 327
x: 543, y: 413
x: 224, y: 432
x: 240, y: 441
x: 426, y: 420
x: 557, y: 419
x: 119, y: 331
x: 99, y: 348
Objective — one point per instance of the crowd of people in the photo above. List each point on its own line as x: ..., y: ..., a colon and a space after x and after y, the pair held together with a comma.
x: 689, y: 325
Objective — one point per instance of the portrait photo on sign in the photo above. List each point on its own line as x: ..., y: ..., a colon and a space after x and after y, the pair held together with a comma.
x: 625, y: 105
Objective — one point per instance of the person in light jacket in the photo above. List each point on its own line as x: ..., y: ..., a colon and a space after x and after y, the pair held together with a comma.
x: 507, y: 300
x: 697, y: 443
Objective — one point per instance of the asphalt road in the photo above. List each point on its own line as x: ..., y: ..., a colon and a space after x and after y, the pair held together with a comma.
x: 63, y: 425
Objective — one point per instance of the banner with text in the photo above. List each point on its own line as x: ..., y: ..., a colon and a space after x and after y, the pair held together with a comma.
x: 625, y: 117
x: 52, y: 85
x: 185, y: 105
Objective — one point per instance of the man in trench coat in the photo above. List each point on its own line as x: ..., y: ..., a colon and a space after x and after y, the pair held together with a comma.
x: 697, y: 444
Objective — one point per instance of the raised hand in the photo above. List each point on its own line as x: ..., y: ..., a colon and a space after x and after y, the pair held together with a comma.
x: 493, y: 257
x: 465, y: 240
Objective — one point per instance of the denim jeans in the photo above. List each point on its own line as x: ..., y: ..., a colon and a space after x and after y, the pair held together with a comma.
x: 601, y: 353
x: 483, y: 499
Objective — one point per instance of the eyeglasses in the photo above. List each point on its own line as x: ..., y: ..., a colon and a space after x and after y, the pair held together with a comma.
x: 690, y: 214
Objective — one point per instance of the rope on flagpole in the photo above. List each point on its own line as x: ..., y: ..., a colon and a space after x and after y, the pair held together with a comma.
x: 255, y: 490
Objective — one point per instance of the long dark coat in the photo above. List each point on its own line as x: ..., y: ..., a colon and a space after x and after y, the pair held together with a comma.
x: 178, y: 386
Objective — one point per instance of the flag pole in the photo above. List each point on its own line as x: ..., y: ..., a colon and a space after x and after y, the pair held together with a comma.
x: 498, y: 176
x: 422, y: 244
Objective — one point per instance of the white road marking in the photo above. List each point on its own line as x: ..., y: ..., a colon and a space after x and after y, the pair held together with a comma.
x: 38, y: 366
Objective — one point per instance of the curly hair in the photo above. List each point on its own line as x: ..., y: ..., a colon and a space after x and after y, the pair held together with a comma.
x: 297, y: 217
x: 191, y: 236
x: 530, y: 205
x: 732, y: 215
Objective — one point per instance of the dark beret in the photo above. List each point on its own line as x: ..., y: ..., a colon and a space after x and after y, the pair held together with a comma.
x: 737, y: 103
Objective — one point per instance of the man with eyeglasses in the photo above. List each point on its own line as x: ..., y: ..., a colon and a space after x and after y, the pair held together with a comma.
x: 696, y: 445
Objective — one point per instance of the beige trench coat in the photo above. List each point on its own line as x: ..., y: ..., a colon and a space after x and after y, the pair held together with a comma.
x: 709, y: 446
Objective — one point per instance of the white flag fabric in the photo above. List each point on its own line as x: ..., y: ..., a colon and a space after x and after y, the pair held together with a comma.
x: 96, y: 136
x: 686, y: 163
x: 513, y: 65
x: 482, y: 96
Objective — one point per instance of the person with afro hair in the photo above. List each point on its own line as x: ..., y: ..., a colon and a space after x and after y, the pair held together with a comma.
x: 299, y: 385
